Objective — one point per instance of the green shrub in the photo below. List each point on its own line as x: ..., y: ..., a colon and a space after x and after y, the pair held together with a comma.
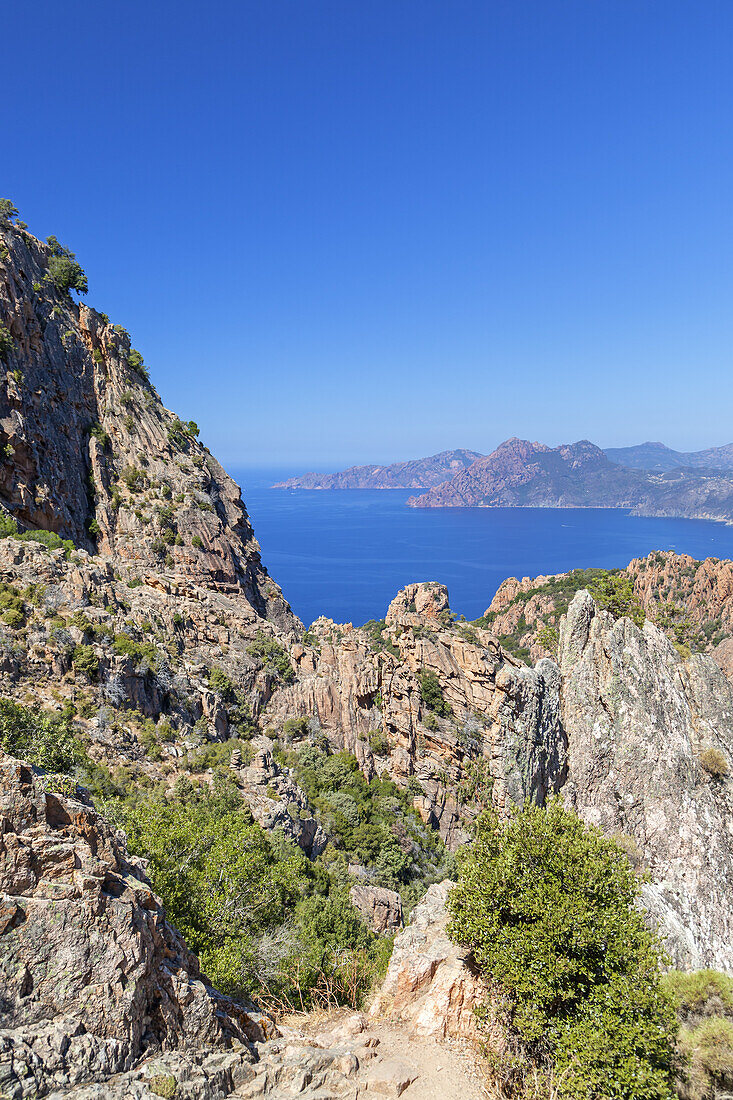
x: 162, y: 1084
x: 700, y: 992
x: 85, y: 661
x: 197, y: 542
x: 708, y: 1051
x: 141, y: 652
x: 8, y: 212
x: 7, y: 343
x: 614, y: 592
x: 548, y: 908
x: 274, y: 656
x: 13, y: 618
x: 133, y: 478
x: 220, y: 683
x: 65, y: 273
x: 432, y: 693
x: 96, y: 429
x: 43, y: 739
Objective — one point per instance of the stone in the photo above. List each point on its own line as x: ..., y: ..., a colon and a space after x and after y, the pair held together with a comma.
x: 431, y: 984
x: 380, y: 908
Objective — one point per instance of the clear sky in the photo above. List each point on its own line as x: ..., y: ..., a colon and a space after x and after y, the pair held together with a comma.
x: 365, y: 230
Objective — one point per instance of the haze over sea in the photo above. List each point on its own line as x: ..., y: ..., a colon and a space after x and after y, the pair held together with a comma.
x: 345, y: 554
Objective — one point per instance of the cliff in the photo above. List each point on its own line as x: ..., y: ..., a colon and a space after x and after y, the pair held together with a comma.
x: 420, y: 473
x: 89, y: 452
x: 520, y: 474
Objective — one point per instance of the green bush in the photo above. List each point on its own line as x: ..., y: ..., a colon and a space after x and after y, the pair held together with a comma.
x: 85, y: 661
x: 274, y: 656
x: 7, y: 343
x: 141, y: 652
x: 263, y: 919
x: 65, y: 273
x: 220, y: 683
x: 43, y: 739
x: 548, y: 908
x: 197, y: 542
x: 8, y: 211
x: 432, y: 693
x: 614, y: 592
x: 708, y: 1052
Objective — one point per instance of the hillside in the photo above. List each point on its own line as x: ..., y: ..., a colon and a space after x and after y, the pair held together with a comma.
x: 420, y: 473
x: 90, y: 453
x: 520, y: 474
x: 210, y: 817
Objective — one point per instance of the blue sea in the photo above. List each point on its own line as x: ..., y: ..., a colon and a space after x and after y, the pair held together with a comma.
x: 345, y: 554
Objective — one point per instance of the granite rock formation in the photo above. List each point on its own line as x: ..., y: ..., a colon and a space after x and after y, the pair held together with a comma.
x: 89, y: 451
x: 93, y: 975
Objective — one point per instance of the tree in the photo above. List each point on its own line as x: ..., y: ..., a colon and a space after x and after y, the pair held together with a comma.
x: 7, y: 212
x: 614, y: 592
x: 63, y: 270
x: 548, y: 907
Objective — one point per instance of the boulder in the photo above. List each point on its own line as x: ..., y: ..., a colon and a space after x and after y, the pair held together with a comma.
x: 380, y: 908
x: 431, y: 984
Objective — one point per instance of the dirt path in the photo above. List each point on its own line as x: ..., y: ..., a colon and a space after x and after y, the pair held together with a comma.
x: 347, y: 1055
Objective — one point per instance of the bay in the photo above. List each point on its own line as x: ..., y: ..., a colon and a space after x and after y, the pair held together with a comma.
x: 345, y: 554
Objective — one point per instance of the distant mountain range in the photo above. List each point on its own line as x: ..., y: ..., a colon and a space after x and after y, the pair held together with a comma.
x: 521, y: 474
x: 657, y: 456
x: 649, y: 479
x: 421, y: 473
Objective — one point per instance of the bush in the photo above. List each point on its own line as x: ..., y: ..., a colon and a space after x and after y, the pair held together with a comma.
x: 220, y: 683
x: 548, y: 908
x: 13, y: 618
x: 8, y: 211
x: 261, y: 917
x: 197, y: 542
x: 714, y: 763
x: 65, y: 273
x: 708, y: 1049
x: 45, y: 740
x: 432, y: 694
x: 7, y: 343
x: 700, y: 992
x: 614, y: 592
x: 85, y: 661
x: 274, y: 657
x: 140, y: 652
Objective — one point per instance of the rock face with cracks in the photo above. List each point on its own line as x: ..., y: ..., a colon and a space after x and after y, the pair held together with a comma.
x: 93, y: 976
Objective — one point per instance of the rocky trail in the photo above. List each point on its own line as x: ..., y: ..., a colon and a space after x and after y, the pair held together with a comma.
x: 349, y: 1055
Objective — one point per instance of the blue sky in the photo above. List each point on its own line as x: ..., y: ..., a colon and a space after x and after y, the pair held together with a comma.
x: 357, y: 230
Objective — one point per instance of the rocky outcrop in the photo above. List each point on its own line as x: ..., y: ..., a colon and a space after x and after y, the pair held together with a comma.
x: 641, y: 722
x: 277, y: 802
x: 420, y: 473
x: 691, y: 601
x: 380, y: 908
x: 94, y: 978
x: 496, y: 734
x: 521, y: 474
x: 431, y: 985
x: 91, y: 453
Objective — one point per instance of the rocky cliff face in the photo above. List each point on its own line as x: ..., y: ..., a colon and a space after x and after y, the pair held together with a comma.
x: 420, y: 473
x: 89, y: 451
x: 520, y: 474
x: 93, y: 976
x: 640, y: 723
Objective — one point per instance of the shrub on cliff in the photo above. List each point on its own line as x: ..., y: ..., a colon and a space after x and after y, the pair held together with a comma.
x: 7, y: 343
x: 432, y: 693
x: 64, y: 271
x: 614, y: 592
x: 43, y: 739
x: 548, y: 908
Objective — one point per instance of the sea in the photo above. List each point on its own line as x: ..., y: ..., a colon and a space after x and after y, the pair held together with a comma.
x: 346, y: 553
